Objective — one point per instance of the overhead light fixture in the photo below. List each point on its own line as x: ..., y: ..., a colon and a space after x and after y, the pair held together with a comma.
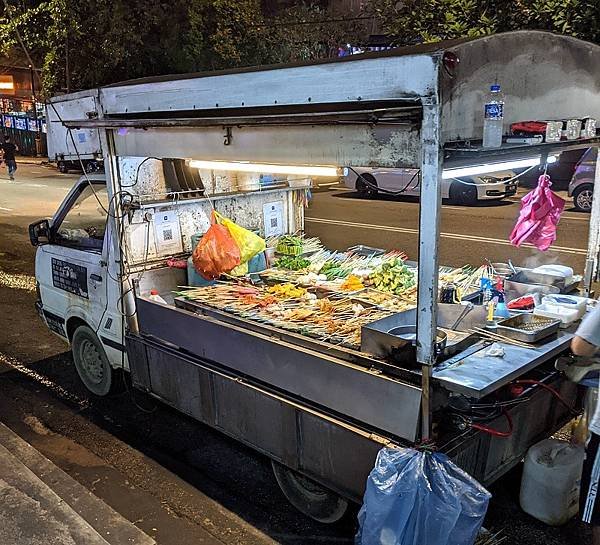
x: 266, y: 168
x: 494, y: 167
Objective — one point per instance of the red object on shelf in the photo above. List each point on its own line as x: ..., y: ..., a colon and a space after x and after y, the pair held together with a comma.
x: 528, y: 127
x: 177, y: 263
x: 526, y: 302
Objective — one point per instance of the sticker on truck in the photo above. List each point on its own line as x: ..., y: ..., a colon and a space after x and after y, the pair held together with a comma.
x: 69, y: 277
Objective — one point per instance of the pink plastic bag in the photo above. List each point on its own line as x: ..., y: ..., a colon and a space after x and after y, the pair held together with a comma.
x: 539, y: 216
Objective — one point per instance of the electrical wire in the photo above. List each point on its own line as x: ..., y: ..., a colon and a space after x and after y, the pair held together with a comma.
x: 383, y: 190
x: 548, y: 388
x: 137, y: 172
x: 473, y: 414
x: 494, y: 432
x: 499, y: 181
x: 126, y: 271
x: 85, y: 174
x: 404, y: 189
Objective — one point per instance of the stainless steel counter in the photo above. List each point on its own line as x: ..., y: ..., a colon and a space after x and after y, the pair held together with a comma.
x: 473, y: 373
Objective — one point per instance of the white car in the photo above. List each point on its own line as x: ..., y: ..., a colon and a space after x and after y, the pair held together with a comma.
x: 407, y: 182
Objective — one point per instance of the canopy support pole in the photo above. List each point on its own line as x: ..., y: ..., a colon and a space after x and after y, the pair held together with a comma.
x: 591, y: 263
x: 429, y: 229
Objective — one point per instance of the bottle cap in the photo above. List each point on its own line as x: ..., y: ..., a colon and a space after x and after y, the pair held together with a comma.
x: 495, y: 88
x: 153, y: 292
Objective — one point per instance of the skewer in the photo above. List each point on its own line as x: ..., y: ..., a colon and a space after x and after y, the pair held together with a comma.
x: 500, y: 338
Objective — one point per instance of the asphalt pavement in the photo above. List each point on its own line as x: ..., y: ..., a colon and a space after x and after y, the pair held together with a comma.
x: 469, y: 234
x: 177, y: 480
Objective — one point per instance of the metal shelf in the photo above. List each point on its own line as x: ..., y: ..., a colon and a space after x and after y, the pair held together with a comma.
x: 460, y: 154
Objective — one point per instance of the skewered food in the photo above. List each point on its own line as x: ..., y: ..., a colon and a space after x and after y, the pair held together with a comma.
x: 393, y: 276
x: 292, y: 263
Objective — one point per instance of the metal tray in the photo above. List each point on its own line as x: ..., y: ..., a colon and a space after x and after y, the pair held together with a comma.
x: 527, y: 276
x: 366, y: 251
x: 512, y: 327
x: 518, y: 289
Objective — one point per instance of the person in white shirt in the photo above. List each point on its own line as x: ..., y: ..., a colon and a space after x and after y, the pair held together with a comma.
x: 586, y: 343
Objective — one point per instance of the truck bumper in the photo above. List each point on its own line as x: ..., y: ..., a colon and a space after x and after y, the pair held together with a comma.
x: 55, y: 323
x: 39, y: 307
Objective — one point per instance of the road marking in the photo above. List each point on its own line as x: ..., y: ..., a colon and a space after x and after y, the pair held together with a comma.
x: 578, y: 218
x: 455, y: 236
x: 7, y: 209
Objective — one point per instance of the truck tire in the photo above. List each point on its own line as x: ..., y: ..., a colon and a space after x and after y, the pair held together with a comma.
x: 91, y: 167
x: 463, y: 194
x: 366, y: 186
x: 62, y: 167
x: 91, y: 362
x: 583, y: 196
x: 308, y: 497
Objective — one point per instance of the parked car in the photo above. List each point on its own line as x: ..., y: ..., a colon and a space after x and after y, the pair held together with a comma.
x: 561, y: 172
x: 581, y: 188
x: 406, y: 182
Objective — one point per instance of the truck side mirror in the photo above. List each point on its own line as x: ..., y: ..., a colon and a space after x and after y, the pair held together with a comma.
x: 39, y: 233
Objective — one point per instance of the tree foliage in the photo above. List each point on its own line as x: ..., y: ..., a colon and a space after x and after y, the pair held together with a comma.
x: 415, y: 21
x: 82, y: 44
x: 112, y: 40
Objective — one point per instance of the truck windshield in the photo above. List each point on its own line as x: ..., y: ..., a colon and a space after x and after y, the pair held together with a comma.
x: 84, y: 224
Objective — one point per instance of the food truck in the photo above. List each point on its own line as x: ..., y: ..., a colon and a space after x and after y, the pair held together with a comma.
x: 313, y: 374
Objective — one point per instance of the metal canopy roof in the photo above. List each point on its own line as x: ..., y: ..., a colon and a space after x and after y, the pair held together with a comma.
x: 543, y: 76
x: 417, y: 49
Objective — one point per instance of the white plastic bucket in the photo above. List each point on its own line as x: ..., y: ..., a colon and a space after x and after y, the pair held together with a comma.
x: 551, y: 481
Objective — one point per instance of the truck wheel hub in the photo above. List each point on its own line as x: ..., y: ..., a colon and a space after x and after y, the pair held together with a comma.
x: 92, y: 362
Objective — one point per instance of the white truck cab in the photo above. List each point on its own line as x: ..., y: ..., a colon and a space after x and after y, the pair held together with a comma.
x: 75, y: 281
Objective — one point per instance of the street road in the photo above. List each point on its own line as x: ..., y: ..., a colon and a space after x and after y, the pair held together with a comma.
x: 179, y: 481
x: 468, y: 234
x: 37, y: 191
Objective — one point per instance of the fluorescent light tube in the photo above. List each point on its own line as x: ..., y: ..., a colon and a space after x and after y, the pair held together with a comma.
x: 494, y: 167
x: 266, y: 168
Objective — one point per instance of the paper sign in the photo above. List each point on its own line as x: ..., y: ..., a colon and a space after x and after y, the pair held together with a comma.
x: 167, y: 232
x: 273, y: 218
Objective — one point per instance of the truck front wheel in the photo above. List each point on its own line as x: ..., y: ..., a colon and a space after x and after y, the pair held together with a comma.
x: 91, y: 362
x: 308, y: 497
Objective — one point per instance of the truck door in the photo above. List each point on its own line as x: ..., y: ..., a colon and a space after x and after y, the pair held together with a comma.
x: 71, y: 269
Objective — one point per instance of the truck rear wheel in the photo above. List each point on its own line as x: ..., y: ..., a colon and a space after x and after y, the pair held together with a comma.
x: 309, y: 497
x: 62, y: 167
x: 91, y: 362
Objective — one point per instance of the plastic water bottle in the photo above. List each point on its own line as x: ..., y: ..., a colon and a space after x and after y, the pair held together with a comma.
x: 493, y: 118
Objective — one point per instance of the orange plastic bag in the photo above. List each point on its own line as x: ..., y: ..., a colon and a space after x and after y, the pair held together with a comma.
x: 216, y: 253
